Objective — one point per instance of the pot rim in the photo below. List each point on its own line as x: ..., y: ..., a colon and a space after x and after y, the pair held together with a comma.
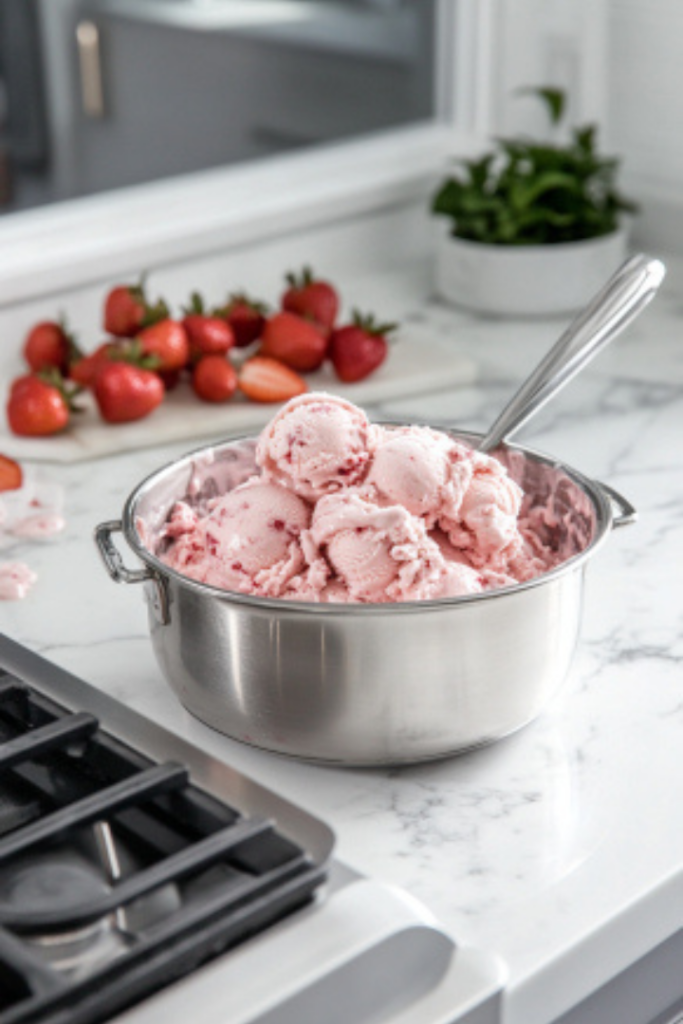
x: 600, y: 501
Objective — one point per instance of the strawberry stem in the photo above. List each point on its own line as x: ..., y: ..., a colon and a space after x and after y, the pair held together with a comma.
x: 74, y: 351
x: 132, y: 352
x: 196, y: 305
x: 54, y: 379
x: 368, y: 323
x: 302, y: 280
x: 242, y: 299
x: 154, y: 314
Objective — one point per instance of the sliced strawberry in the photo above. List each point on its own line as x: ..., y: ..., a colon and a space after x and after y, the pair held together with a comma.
x: 312, y: 298
x: 11, y: 475
x: 267, y: 380
x: 359, y: 348
x: 296, y: 342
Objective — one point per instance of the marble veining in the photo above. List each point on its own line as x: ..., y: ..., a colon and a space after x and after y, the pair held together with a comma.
x: 534, y: 846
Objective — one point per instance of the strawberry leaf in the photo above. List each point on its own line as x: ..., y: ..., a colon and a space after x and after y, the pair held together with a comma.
x: 196, y: 305
x: 301, y: 280
x: 368, y: 323
x: 154, y: 314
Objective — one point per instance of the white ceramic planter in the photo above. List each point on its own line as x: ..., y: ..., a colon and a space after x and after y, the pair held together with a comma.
x: 537, y: 280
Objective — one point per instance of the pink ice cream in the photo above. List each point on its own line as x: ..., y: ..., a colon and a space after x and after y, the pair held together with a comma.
x: 316, y: 444
x: 423, y: 470
x: 347, y: 511
x: 16, y: 579
x: 38, y: 526
x: 485, y: 526
x: 32, y: 512
x: 376, y: 553
x: 248, y: 541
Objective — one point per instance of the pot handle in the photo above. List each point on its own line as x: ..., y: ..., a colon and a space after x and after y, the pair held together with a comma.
x: 627, y: 514
x: 120, y: 573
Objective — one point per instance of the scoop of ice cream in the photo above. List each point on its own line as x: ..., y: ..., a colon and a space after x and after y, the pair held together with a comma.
x: 38, y: 526
x: 345, y: 511
x: 248, y: 542
x: 16, y: 579
x: 316, y: 444
x: 32, y: 511
x: 421, y: 469
x: 460, y: 576
x: 377, y: 553
x: 460, y: 579
x: 486, y: 525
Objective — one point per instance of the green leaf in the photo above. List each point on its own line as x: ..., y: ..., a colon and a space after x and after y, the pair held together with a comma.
x: 527, y: 192
x: 447, y: 199
x: 471, y: 202
x: 553, y: 98
x: 585, y: 138
x: 479, y: 170
x: 524, y: 193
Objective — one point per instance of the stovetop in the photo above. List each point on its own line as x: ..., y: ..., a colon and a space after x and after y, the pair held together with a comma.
x: 141, y: 879
x: 118, y: 874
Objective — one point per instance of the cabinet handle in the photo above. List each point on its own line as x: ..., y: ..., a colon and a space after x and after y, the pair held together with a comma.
x: 90, y: 65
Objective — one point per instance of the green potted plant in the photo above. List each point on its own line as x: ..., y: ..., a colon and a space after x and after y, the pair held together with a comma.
x: 533, y: 227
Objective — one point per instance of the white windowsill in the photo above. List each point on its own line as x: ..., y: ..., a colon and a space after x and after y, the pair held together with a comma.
x: 50, y: 249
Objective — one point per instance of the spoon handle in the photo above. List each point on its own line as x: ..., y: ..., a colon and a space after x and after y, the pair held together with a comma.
x: 620, y: 300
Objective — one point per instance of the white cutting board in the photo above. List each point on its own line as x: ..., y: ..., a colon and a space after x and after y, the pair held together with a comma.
x: 417, y: 363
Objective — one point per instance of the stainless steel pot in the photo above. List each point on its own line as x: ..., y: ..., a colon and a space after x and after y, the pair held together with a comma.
x: 364, y: 684
x: 386, y: 684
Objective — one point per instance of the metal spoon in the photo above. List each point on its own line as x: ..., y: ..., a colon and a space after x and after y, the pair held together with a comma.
x: 620, y: 300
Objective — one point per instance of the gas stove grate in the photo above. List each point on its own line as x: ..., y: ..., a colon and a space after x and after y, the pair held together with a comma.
x: 100, y: 846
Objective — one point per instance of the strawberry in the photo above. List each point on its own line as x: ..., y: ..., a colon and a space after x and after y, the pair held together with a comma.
x: 311, y: 297
x: 124, y: 392
x: 167, y: 341
x: 267, y: 380
x: 11, y: 475
x: 208, y: 334
x: 84, y: 370
x: 359, y: 347
x: 49, y: 344
x: 169, y: 378
x: 296, y: 342
x: 127, y: 311
x: 122, y: 350
x: 247, y: 317
x: 39, y: 405
x: 23, y: 383
x: 214, y: 379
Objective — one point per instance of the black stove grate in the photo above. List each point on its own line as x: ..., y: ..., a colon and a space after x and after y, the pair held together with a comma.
x: 118, y: 875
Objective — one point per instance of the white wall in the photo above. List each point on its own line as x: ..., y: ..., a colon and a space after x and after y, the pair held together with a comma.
x: 549, y: 42
x: 622, y: 66
x: 645, y: 111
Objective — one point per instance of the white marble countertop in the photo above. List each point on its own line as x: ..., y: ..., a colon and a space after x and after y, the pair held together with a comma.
x: 561, y: 847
